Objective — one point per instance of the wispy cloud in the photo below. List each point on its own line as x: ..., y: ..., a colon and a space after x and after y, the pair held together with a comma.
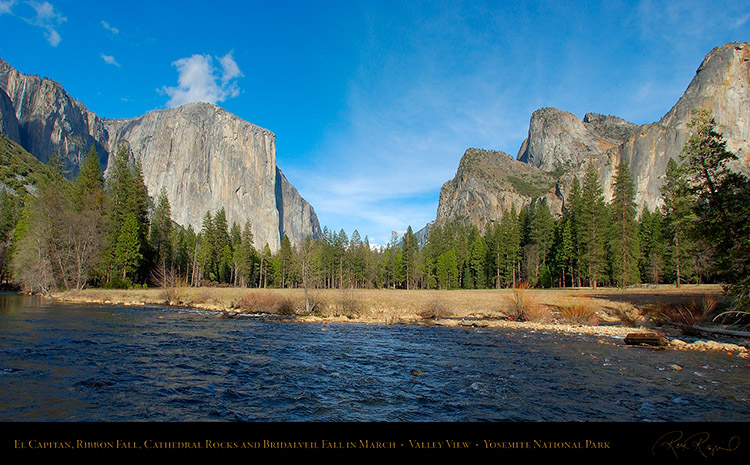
x: 48, y: 19
x: 681, y: 23
x: 5, y: 6
x: 409, y: 119
x: 110, y: 60
x: 110, y: 28
x: 199, y: 81
x: 741, y: 21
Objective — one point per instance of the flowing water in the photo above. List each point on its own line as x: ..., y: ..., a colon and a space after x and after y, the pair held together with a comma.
x: 65, y: 362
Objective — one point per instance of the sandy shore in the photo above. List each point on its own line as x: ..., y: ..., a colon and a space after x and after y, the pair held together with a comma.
x: 605, y: 311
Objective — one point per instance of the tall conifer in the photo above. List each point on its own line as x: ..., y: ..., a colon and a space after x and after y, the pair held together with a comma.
x: 624, y: 239
x: 593, y: 224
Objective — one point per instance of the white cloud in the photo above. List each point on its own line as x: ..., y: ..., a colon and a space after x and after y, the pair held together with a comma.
x: 48, y: 19
x: 231, y: 70
x: 199, y: 81
x: 5, y: 6
x: 110, y: 60
x: 110, y: 28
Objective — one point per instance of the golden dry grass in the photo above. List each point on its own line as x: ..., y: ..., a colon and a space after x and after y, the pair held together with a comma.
x: 609, y: 304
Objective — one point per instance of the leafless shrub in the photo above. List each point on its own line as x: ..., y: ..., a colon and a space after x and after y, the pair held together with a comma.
x: 538, y: 313
x: 526, y: 308
x: 579, y: 313
x: 348, y: 306
x: 285, y: 306
x: 627, y: 313
x: 257, y: 302
x: 686, y: 315
x: 435, y: 310
x: 171, y: 296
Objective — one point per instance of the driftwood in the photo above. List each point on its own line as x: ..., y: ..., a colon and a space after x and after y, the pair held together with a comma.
x: 649, y: 339
x: 727, y: 332
x: 473, y: 324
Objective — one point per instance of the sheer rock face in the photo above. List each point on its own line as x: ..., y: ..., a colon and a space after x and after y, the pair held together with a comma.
x: 8, y: 121
x: 721, y: 85
x: 205, y: 157
x: 562, y: 146
x: 558, y: 138
x: 298, y: 219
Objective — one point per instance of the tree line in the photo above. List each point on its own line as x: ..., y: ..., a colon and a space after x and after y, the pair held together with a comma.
x: 92, y: 232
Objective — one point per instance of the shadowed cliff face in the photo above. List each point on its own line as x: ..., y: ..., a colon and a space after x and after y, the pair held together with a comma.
x: 205, y: 157
x: 8, y: 121
x: 297, y: 219
x: 561, y: 146
x: 49, y: 119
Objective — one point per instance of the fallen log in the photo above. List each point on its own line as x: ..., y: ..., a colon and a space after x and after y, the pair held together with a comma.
x: 648, y: 339
x: 726, y: 332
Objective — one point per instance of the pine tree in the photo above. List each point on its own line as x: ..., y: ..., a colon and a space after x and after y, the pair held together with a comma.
x: 221, y: 248
x: 265, y: 264
x: 573, y: 214
x: 286, y: 260
x: 538, y: 239
x: 410, y: 249
x: 652, y: 246
x: 478, y: 261
x: 510, y: 245
x: 9, y: 213
x: 722, y: 203
x: 561, y: 252
x: 128, y: 248
x: 207, y: 249
x: 593, y: 217
x: 624, y: 240
x: 235, y: 237
x: 248, y: 255
x: 128, y: 195
x: 447, y: 270
x: 88, y: 189
x: 679, y: 220
x: 161, y: 231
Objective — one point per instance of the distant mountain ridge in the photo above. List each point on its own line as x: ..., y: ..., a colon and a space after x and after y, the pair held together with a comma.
x: 205, y: 157
x: 559, y: 148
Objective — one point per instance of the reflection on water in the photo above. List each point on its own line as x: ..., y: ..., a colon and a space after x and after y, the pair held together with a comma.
x: 102, y: 363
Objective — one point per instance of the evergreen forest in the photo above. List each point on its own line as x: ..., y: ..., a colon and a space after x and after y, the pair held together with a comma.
x: 57, y: 233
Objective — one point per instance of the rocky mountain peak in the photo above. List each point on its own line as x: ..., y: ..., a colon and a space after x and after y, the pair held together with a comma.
x: 558, y: 138
x: 203, y: 156
x: 560, y: 147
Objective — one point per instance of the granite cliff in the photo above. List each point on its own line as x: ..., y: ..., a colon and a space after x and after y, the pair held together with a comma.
x: 560, y: 147
x: 205, y: 157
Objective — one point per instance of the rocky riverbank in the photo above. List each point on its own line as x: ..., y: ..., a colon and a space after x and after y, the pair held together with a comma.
x: 609, y: 313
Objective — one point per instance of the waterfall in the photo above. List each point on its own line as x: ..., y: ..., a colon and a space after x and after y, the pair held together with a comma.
x: 20, y: 104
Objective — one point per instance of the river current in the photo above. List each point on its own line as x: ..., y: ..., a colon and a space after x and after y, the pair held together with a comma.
x: 65, y: 362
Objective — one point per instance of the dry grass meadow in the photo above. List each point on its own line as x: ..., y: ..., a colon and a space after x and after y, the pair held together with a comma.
x: 578, y: 306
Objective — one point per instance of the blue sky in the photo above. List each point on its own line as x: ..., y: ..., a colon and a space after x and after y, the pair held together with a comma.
x: 373, y: 103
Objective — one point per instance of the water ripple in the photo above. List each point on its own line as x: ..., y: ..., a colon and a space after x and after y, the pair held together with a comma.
x: 156, y: 364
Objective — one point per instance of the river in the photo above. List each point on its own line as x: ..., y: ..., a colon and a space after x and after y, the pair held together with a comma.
x: 72, y: 362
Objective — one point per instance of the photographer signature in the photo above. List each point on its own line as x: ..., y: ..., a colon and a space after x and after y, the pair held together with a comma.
x: 676, y: 442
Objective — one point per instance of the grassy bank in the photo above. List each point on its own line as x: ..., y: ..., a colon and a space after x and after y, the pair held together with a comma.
x: 603, y: 311
x: 577, y: 306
